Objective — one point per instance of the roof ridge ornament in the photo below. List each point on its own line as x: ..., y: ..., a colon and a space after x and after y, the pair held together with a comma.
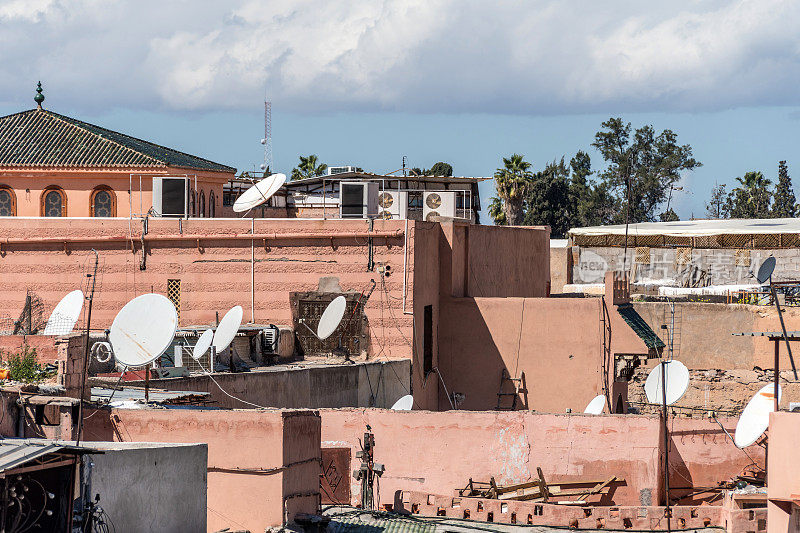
x: 39, y: 98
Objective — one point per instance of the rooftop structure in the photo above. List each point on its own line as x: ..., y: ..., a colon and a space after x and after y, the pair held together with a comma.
x: 57, y: 166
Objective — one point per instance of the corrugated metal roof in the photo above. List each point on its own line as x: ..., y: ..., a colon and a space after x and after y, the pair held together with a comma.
x: 639, y: 326
x: 370, y: 523
x: 17, y: 452
x: 42, y: 138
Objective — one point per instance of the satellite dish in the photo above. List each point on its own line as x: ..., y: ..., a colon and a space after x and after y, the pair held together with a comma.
x: 331, y: 317
x: 143, y: 329
x: 404, y: 404
x: 765, y: 270
x: 65, y: 314
x: 259, y: 193
x: 203, y: 344
x: 677, y: 378
x: 595, y: 407
x: 227, y: 329
x: 755, y: 417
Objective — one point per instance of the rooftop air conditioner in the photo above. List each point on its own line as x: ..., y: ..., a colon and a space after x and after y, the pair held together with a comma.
x: 438, y: 204
x: 393, y: 204
x: 340, y: 170
x: 358, y: 199
x: 170, y: 196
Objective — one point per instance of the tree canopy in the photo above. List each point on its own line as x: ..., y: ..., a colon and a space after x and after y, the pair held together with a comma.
x: 309, y: 167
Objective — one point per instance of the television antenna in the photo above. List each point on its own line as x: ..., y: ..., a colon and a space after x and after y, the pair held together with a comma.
x: 667, y: 382
x: 765, y: 275
x: 143, y: 330
x: 596, y: 406
x: 65, y: 314
x: 203, y: 344
x: 404, y: 404
x: 754, y: 420
x: 330, y: 319
x: 259, y: 193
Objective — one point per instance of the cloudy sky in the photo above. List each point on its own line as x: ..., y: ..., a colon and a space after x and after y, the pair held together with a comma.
x: 369, y: 82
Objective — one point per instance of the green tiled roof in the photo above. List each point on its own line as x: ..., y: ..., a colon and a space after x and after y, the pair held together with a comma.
x: 41, y: 138
x: 638, y: 325
x: 378, y: 523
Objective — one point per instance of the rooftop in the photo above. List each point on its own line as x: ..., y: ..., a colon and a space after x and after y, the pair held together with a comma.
x: 42, y: 138
x: 698, y: 228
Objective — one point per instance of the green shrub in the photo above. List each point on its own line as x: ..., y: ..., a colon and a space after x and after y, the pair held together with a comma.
x: 22, y: 366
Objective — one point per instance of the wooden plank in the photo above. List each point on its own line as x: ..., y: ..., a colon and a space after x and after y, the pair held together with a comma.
x: 542, y: 484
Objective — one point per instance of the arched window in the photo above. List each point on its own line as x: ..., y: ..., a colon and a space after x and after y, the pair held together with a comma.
x: 103, y: 202
x: 192, y: 206
x: 8, y: 202
x: 201, y: 205
x: 54, y: 202
x: 212, y: 208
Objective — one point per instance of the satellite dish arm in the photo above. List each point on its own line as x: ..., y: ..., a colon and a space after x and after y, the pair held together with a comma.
x: 303, y: 322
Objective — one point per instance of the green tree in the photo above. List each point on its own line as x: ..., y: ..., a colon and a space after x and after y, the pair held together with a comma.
x: 308, y: 168
x: 752, y: 198
x: 496, y: 212
x: 785, y: 205
x: 717, y: 206
x: 669, y: 216
x: 513, y: 182
x: 442, y: 169
x: 547, y: 202
x: 641, y: 167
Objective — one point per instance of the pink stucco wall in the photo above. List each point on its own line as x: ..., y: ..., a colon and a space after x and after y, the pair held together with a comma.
x: 263, y: 466
x: 214, y: 276
x: 78, y: 184
x: 556, y: 342
x: 783, y: 476
x: 438, y: 452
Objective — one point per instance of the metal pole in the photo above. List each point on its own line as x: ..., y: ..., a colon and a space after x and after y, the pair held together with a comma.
x: 85, y: 370
x: 783, y: 328
x: 666, y: 440
x: 777, y: 370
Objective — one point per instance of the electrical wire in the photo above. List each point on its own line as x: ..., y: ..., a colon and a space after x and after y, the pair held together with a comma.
x: 226, y: 392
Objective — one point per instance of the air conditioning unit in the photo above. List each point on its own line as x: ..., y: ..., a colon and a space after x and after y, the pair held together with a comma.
x: 358, y: 199
x: 393, y: 204
x: 170, y: 196
x: 340, y: 170
x: 438, y: 204
x: 184, y: 359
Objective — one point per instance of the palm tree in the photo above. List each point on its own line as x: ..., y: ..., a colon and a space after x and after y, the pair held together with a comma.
x: 308, y: 168
x: 512, y: 181
x: 756, y: 187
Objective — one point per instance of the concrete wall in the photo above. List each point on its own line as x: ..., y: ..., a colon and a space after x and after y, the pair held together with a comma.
x: 438, y: 452
x: 558, y: 265
x: 783, y: 482
x: 556, y: 342
x: 724, y: 265
x: 378, y: 384
x: 130, y: 196
x: 260, y: 463
x: 45, y: 345
x: 146, y: 487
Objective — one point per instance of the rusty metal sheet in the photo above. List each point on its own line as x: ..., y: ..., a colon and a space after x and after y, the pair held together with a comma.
x: 335, y: 477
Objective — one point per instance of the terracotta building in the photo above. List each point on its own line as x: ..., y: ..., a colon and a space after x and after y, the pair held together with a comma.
x: 56, y: 166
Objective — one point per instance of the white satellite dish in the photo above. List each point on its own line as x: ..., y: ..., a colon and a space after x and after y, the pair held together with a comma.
x: 404, y: 404
x: 228, y: 328
x: 65, y: 314
x: 259, y: 193
x: 203, y: 344
x: 755, y: 417
x: 596, y: 406
x: 677, y: 378
x: 143, y: 329
x: 331, y: 317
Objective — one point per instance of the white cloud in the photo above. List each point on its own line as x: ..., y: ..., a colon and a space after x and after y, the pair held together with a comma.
x: 537, y: 57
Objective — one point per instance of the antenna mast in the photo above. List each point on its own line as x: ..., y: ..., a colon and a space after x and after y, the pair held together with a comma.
x: 267, y: 140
